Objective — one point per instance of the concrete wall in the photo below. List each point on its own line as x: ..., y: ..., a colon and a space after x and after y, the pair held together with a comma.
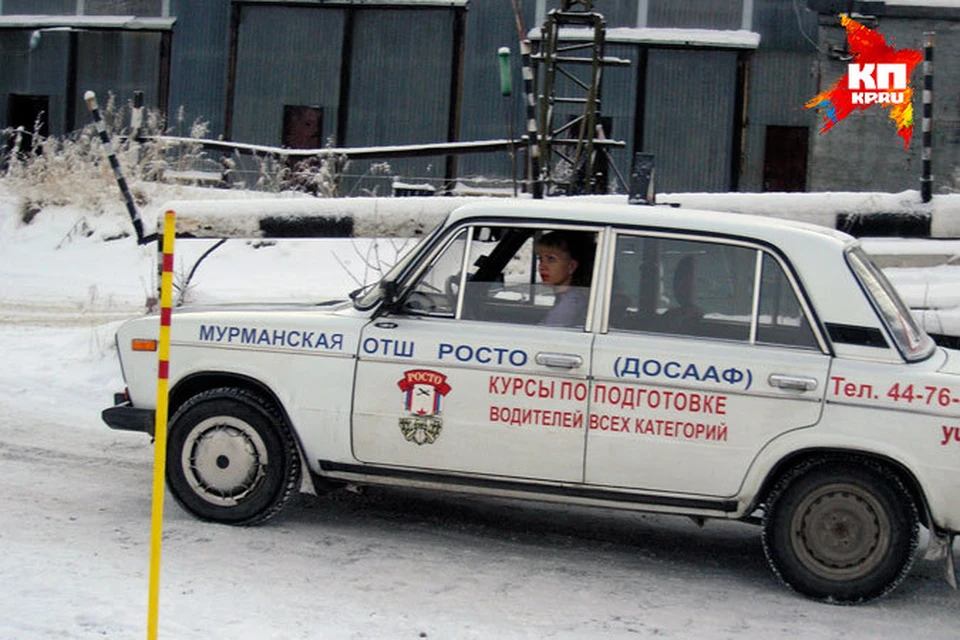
x: 863, y: 152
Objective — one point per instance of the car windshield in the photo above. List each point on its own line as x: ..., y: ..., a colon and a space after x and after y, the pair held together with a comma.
x: 371, y: 294
x: 912, y: 341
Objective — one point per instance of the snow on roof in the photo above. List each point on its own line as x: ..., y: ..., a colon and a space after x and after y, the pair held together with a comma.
x: 381, y: 151
x: 925, y: 3
x: 398, y: 3
x: 86, y: 22
x: 922, y: 9
x: 705, y: 38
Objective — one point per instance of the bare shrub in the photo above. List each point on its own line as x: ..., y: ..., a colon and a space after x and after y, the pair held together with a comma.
x: 371, y: 255
x: 75, y: 170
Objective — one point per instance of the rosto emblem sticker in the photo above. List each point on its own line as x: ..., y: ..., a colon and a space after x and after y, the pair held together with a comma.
x: 423, y: 390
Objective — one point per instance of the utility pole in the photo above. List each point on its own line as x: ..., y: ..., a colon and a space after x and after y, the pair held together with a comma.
x: 572, y: 143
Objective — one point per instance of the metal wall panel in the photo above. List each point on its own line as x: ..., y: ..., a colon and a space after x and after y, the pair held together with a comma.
x: 780, y: 84
x: 619, y: 103
x: 700, y: 14
x: 486, y: 114
x: 401, y: 74
x: 782, y: 77
x: 618, y: 13
x: 41, y: 71
x: 400, y: 82
x: 39, y: 7
x: 141, y: 8
x: 117, y: 62
x: 786, y: 26
x: 198, y: 65
x: 285, y: 55
x: 689, y: 118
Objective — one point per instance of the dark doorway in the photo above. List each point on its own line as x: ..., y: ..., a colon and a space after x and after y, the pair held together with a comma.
x: 302, y: 127
x: 785, y: 158
x: 30, y: 112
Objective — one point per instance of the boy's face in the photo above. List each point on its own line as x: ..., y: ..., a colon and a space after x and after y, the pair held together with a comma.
x: 555, y: 266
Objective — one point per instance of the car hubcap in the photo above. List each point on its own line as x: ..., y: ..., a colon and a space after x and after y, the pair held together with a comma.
x: 224, y: 459
x: 840, y: 532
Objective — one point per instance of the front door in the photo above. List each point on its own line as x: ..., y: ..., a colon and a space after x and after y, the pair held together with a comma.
x: 464, y: 377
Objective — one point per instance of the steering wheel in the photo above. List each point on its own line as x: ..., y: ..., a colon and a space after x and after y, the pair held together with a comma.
x: 420, y: 301
x: 423, y: 298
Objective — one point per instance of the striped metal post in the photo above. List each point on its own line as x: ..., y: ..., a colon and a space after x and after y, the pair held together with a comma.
x: 926, y: 153
x: 91, y: 99
x: 533, y: 142
x: 160, y: 421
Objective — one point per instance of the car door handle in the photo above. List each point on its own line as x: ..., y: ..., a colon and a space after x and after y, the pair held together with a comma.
x: 798, y: 383
x: 559, y: 360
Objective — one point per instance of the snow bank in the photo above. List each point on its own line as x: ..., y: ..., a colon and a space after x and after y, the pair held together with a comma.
x: 823, y: 208
x: 412, y: 217
x: 313, y: 217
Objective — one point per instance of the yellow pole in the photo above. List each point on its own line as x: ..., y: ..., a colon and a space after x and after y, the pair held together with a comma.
x: 160, y: 423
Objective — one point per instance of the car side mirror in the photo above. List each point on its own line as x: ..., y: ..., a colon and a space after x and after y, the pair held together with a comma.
x: 389, y: 294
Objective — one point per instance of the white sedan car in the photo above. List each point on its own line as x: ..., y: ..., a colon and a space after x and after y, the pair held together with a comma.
x: 706, y: 364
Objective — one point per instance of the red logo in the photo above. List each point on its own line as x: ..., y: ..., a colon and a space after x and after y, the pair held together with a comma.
x: 423, y: 391
x: 878, y: 75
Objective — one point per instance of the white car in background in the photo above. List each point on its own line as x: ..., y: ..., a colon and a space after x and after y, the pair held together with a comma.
x: 725, y: 366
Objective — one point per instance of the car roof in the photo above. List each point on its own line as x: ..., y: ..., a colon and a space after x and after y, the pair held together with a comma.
x: 667, y: 218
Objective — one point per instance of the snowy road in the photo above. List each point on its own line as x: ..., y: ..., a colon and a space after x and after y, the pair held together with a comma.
x: 75, y: 514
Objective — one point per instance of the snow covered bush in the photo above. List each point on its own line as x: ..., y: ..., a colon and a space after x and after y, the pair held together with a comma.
x: 74, y: 169
x: 54, y: 171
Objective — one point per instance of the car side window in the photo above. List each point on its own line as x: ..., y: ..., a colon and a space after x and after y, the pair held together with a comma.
x: 500, y: 283
x: 529, y: 276
x: 683, y: 287
x: 435, y: 291
x: 781, y: 319
x: 515, y: 275
x: 703, y: 289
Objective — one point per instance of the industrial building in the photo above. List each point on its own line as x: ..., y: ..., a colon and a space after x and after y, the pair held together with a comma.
x: 715, y: 89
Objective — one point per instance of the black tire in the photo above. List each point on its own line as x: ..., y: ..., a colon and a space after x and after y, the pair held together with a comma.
x: 231, y: 457
x: 841, y: 531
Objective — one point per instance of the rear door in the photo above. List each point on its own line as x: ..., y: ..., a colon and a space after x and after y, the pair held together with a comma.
x: 709, y: 355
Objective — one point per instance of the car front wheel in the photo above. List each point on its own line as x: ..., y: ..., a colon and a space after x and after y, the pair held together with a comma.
x: 841, y: 531
x: 231, y: 457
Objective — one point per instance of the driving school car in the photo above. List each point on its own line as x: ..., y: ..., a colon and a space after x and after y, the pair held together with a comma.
x: 725, y: 366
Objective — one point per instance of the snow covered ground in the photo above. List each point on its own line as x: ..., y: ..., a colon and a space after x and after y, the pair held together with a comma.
x: 75, y: 499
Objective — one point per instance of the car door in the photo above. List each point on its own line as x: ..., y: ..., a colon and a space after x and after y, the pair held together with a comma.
x: 710, y: 353
x: 461, y: 377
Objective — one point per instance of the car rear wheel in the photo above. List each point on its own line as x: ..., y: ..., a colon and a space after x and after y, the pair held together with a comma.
x: 841, y: 531
x: 231, y: 457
